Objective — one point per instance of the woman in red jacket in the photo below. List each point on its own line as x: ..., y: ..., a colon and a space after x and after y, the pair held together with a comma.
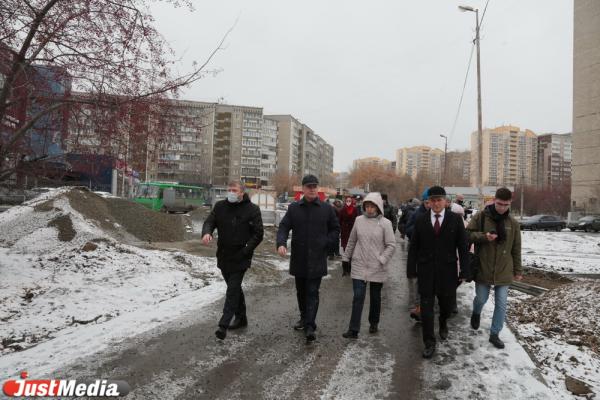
x: 347, y: 215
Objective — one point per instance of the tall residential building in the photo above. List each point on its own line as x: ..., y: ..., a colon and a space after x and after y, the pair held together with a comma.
x: 585, y: 180
x: 289, y: 144
x: 372, y: 162
x: 509, y: 156
x: 268, y: 165
x: 237, y: 145
x: 413, y: 161
x: 459, y: 168
x: 186, y: 157
x: 554, y: 159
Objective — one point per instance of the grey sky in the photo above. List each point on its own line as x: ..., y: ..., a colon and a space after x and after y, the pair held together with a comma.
x: 371, y: 77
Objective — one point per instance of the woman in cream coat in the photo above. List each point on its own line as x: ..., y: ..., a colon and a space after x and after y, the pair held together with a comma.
x: 370, y: 247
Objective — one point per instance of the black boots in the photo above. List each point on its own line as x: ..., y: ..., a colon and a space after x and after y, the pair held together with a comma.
x: 310, y: 335
x: 429, y: 350
x: 475, y: 319
x: 443, y: 330
x: 373, y: 328
x: 221, y: 333
x: 299, y: 325
x: 350, y: 334
x: 238, y: 323
x: 495, y: 340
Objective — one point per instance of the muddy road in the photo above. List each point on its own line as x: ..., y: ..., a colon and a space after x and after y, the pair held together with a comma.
x: 270, y: 360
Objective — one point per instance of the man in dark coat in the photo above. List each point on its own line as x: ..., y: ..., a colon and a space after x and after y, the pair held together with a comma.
x: 438, y: 236
x: 240, y: 229
x: 315, y: 229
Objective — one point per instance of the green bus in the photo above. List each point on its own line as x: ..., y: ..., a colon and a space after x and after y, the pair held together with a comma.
x: 169, y: 197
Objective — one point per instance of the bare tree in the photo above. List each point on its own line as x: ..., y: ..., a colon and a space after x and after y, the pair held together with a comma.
x: 109, y: 50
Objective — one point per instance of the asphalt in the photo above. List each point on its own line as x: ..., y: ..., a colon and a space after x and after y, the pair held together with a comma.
x: 270, y: 360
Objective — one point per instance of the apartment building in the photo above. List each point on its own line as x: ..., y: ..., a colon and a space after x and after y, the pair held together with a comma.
x: 459, y: 168
x: 585, y: 180
x: 289, y: 144
x: 420, y: 160
x: 268, y: 165
x: 371, y: 162
x: 509, y: 156
x: 554, y: 159
x: 186, y: 154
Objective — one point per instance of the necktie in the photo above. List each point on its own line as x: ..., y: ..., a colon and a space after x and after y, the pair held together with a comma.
x: 436, y: 227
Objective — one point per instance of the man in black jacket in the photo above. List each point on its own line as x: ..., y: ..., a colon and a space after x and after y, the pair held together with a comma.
x: 240, y: 229
x: 438, y: 236
x: 316, y: 230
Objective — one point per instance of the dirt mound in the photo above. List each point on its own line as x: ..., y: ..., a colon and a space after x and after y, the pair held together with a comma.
x: 545, y: 279
x: 569, y: 311
x: 121, y: 217
x: 63, y: 223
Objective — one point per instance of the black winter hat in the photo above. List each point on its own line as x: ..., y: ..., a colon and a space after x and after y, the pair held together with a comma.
x: 437, y: 191
x: 310, y: 180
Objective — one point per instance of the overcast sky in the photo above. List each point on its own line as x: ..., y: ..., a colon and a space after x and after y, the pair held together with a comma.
x: 371, y: 77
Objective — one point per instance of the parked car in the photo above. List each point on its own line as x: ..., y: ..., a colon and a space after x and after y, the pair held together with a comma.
x: 588, y: 224
x: 543, y: 222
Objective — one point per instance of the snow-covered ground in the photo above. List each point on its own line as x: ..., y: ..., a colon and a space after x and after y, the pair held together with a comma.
x: 560, y: 329
x: 562, y: 252
x: 467, y: 366
x: 68, y: 289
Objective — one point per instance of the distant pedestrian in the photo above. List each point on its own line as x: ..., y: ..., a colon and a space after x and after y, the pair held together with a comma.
x: 315, y: 230
x: 240, y: 229
x: 370, y: 247
x: 407, y: 209
x: 499, y: 247
x: 347, y: 216
x: 390, y: 212
x: 439, y: 235
x: 335, y: 251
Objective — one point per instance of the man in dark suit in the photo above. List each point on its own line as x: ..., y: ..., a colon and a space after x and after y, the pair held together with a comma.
x: 439, y: 235
x: 316, y: 230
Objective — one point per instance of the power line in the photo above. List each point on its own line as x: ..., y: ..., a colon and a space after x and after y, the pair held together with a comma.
x: 467, y: 75
x: 462, y: 94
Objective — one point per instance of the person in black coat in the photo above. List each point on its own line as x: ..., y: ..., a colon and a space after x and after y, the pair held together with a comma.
x: 316, y: 230
x: 240, y: 229
x: 438, y: 237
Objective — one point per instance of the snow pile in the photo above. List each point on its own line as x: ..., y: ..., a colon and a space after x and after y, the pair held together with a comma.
x: 62, y: 270
x: 563, y: 252
x: 560, y: 329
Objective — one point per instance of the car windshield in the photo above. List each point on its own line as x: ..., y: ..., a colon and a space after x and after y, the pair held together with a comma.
x: 586, y: 219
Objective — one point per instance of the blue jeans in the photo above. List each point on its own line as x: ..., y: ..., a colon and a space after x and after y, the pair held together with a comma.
x: 360, y: 291
x: 482, y: 293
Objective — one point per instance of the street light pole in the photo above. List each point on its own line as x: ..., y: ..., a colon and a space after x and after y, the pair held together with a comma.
x: 445, y: 177
x: 479, y: 113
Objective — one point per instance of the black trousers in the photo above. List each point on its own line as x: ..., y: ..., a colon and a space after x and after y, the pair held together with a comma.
x: 427, y: 314
x: 307, y: 293
x: 235, y: 303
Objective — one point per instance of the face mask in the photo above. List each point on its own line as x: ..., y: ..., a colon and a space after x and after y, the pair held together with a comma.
x: 232, y: 197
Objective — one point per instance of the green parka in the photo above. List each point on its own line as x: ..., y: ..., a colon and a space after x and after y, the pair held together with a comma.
x: 500, y: 262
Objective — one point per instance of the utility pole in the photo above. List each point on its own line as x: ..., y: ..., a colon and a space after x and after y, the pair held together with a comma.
x: 522, y: 192
x: 445, y: 177
x: 479, y: 112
